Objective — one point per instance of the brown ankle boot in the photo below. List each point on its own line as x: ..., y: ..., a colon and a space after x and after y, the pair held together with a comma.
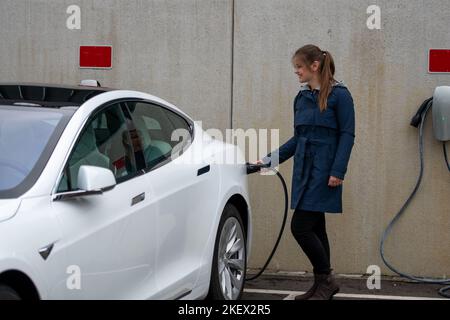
x: 326, y: 288
x: 308, y: 294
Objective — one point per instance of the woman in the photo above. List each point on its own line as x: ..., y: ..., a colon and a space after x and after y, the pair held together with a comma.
x: 324, y: 132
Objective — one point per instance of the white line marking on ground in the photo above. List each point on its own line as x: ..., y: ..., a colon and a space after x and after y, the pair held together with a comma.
x: 292, y: 294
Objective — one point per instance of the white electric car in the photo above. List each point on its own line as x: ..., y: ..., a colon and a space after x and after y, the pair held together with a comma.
x: 114, y: 194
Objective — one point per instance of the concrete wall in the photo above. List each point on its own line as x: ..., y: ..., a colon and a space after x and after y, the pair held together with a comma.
x: 182, y: 51
x: 177, y: 50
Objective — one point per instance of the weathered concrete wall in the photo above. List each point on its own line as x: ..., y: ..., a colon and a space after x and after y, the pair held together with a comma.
x: 181, y: 50
x: 177, y: 50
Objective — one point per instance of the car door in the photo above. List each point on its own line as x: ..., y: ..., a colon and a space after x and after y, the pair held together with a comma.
x: 184, y: 186
x: 109, y: 239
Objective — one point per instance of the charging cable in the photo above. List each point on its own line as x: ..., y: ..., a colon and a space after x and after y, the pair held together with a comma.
x: 252, y: 168
x: 421, y: 115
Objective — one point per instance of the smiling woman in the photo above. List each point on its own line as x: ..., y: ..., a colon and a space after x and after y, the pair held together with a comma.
x: 324, y: 132
x: 27, y: 137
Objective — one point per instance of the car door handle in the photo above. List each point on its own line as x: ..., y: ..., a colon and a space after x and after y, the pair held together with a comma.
x: 203, y: 170
x: 138, y: 199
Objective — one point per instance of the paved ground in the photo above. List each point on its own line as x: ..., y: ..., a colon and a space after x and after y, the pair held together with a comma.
x: 277, y: 287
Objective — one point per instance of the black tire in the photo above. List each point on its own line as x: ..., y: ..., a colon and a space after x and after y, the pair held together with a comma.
x: 215, y: 291
x: 8, y: 293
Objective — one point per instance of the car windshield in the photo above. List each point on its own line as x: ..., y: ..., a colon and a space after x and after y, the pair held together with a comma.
x: 27, y: 138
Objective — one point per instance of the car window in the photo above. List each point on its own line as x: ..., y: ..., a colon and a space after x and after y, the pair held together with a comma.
x: 28, y: 136
x: 156, y: 126
x: 106, y: 142
x: 182, y: 134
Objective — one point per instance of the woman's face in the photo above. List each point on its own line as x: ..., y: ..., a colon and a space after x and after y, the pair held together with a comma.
x: 304, y: 72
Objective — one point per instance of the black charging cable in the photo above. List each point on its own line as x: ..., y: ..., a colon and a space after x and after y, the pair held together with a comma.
x: 253, y: 168
x: 445, y: 155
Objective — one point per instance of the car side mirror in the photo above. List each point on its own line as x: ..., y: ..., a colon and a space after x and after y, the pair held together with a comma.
x: 91, y: 181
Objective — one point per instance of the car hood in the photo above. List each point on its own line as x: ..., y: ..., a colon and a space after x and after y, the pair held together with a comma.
x: 8, y: 208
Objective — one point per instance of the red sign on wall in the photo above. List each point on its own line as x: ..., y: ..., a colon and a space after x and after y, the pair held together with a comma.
x: 96, y: 57
x: 439, y: 60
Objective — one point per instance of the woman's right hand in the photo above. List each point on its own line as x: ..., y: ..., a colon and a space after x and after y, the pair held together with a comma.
x: 262, y: 169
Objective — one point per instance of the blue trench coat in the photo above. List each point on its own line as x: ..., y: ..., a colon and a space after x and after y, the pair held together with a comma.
x: 321, y: 147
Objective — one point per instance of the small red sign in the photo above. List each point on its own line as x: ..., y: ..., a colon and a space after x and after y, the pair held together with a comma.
x: 439, y: 60
x: 98, y: 57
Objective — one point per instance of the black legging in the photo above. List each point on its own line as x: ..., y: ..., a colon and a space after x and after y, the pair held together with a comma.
x: 308, y: 228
